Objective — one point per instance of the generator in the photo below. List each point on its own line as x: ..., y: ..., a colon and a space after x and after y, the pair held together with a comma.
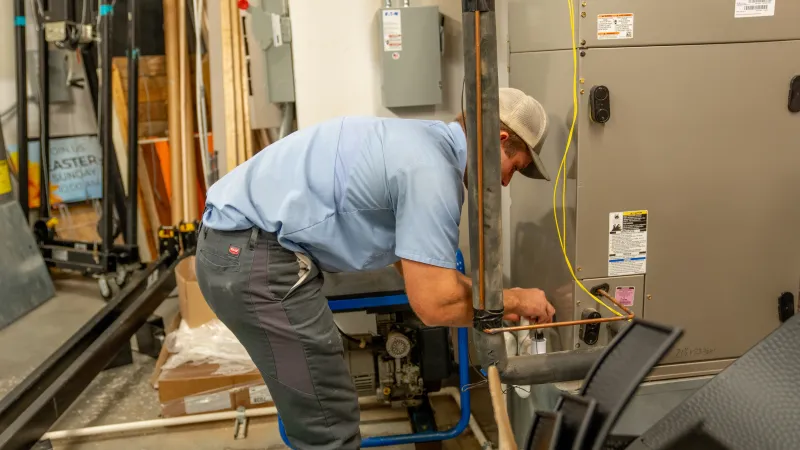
x: 404, y: 361
x: 681, y: 177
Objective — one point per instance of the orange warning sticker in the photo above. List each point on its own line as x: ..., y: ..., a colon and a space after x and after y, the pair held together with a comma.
x: 614, y: 26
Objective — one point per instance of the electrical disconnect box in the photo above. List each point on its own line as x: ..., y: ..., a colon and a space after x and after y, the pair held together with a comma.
x: 268, y: 34
x: 682, y: 178
x: 411, y: 55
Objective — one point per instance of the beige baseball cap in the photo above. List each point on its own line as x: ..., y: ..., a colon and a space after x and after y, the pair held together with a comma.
x: 527, y: 118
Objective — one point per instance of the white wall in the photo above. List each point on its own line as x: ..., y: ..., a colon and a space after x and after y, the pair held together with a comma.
x: 336, y: 52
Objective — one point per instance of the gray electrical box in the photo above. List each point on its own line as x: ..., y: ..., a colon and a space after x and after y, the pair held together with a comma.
x: 272, y: 28
x: 685, y: 201
x: 411, y: 55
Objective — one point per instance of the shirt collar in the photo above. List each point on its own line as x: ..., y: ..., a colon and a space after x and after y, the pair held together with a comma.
x: 461, y: 145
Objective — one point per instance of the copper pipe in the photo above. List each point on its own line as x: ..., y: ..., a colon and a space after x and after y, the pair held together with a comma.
x: 479, y: 130
x: 557, y: 324
x: 619, y: 305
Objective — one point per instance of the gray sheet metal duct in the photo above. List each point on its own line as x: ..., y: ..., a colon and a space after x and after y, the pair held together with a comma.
x: 482, y: 116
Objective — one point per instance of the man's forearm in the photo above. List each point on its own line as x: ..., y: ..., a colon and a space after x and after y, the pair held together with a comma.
x: 510, y: 301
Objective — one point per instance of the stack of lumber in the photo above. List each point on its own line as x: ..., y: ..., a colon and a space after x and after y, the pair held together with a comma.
x: 238, y: 135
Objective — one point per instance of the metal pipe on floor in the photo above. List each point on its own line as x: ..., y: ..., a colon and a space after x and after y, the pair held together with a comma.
x: 155, y: 424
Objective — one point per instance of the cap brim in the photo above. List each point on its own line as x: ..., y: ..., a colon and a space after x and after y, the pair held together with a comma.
x: 536, y: 168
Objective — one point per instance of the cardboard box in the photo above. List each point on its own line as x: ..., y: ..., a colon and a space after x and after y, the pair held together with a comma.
x: 248, y: 396
x: 193, y: 306
x: 195, y: 389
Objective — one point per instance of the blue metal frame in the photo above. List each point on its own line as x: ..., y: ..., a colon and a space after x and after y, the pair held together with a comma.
x: 463, y: 374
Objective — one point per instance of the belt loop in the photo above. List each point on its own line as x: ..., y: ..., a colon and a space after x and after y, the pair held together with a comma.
x: 253, y: 238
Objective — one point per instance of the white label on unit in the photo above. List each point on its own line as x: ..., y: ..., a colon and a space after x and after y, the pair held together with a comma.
x: 392, y: 31
x: 207, y: 403
x: 277, y: 33
x: 627, y: 243
x: 614, y: 26
x: 259, y: 394
x: 754, y: 8
x: 625, y: 295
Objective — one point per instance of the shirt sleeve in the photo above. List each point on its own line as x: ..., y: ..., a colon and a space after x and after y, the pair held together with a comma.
x: 427, y: 214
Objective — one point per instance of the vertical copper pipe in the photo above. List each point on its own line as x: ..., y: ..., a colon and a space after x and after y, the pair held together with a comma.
x: 174, y: 109
x: 479, y: 129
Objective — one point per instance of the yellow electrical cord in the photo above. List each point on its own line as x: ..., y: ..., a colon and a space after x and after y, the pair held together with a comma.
x: 562, y: 238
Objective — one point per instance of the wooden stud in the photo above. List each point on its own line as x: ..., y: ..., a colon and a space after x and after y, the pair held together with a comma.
x: 236, y: 42
x: 174, y: 105
x: 188, y: 176
x: 228, y: 85
x: 505, y: 434
x: 148, y: 216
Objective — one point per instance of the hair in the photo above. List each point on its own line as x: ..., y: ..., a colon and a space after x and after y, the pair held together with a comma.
x: 514, y: 143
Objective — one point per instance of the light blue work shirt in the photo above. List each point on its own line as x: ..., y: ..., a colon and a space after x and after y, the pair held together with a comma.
x: 354, y: 193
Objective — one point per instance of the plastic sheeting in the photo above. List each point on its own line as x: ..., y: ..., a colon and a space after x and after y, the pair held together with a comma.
x: 210, y: 343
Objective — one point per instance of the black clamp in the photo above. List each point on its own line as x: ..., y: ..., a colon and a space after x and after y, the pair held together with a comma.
x: 168, y: 240
x: 188, y: 234
x: 484, y: 319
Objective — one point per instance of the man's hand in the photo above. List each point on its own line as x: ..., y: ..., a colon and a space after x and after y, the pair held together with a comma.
x: 529, y: 303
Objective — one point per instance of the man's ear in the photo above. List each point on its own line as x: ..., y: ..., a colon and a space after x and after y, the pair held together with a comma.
x: 504, y: 136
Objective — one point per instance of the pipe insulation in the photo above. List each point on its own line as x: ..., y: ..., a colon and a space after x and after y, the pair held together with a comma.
x: 482, y: 120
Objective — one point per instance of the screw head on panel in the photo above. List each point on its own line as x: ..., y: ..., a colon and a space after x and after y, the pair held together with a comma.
x: 583, y: 41
x: 578, y: 345
x: 582, y: 80
x: 583, y: 14
x: 583, y: 4
x: 583, y: 91
x: 583, y: 53
x: 649, y: 297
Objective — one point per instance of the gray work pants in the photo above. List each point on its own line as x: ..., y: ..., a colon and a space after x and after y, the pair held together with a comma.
x: 271, y: 300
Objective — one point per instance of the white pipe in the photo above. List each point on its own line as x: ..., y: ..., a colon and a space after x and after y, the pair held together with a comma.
x: 228, y: 415
x: 485, y: 444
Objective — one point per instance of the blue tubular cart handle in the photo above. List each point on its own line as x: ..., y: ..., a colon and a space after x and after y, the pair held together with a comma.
x: 463, y: 380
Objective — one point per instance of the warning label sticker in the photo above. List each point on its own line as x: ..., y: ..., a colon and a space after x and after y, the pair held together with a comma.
x: 614, y: 26
x: 754, y: 8
x: 392, y: 31
x: 627, y: 243
x: 625, y: 295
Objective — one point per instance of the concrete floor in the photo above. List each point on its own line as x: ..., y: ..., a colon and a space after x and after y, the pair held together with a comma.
x: 124, y: 394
